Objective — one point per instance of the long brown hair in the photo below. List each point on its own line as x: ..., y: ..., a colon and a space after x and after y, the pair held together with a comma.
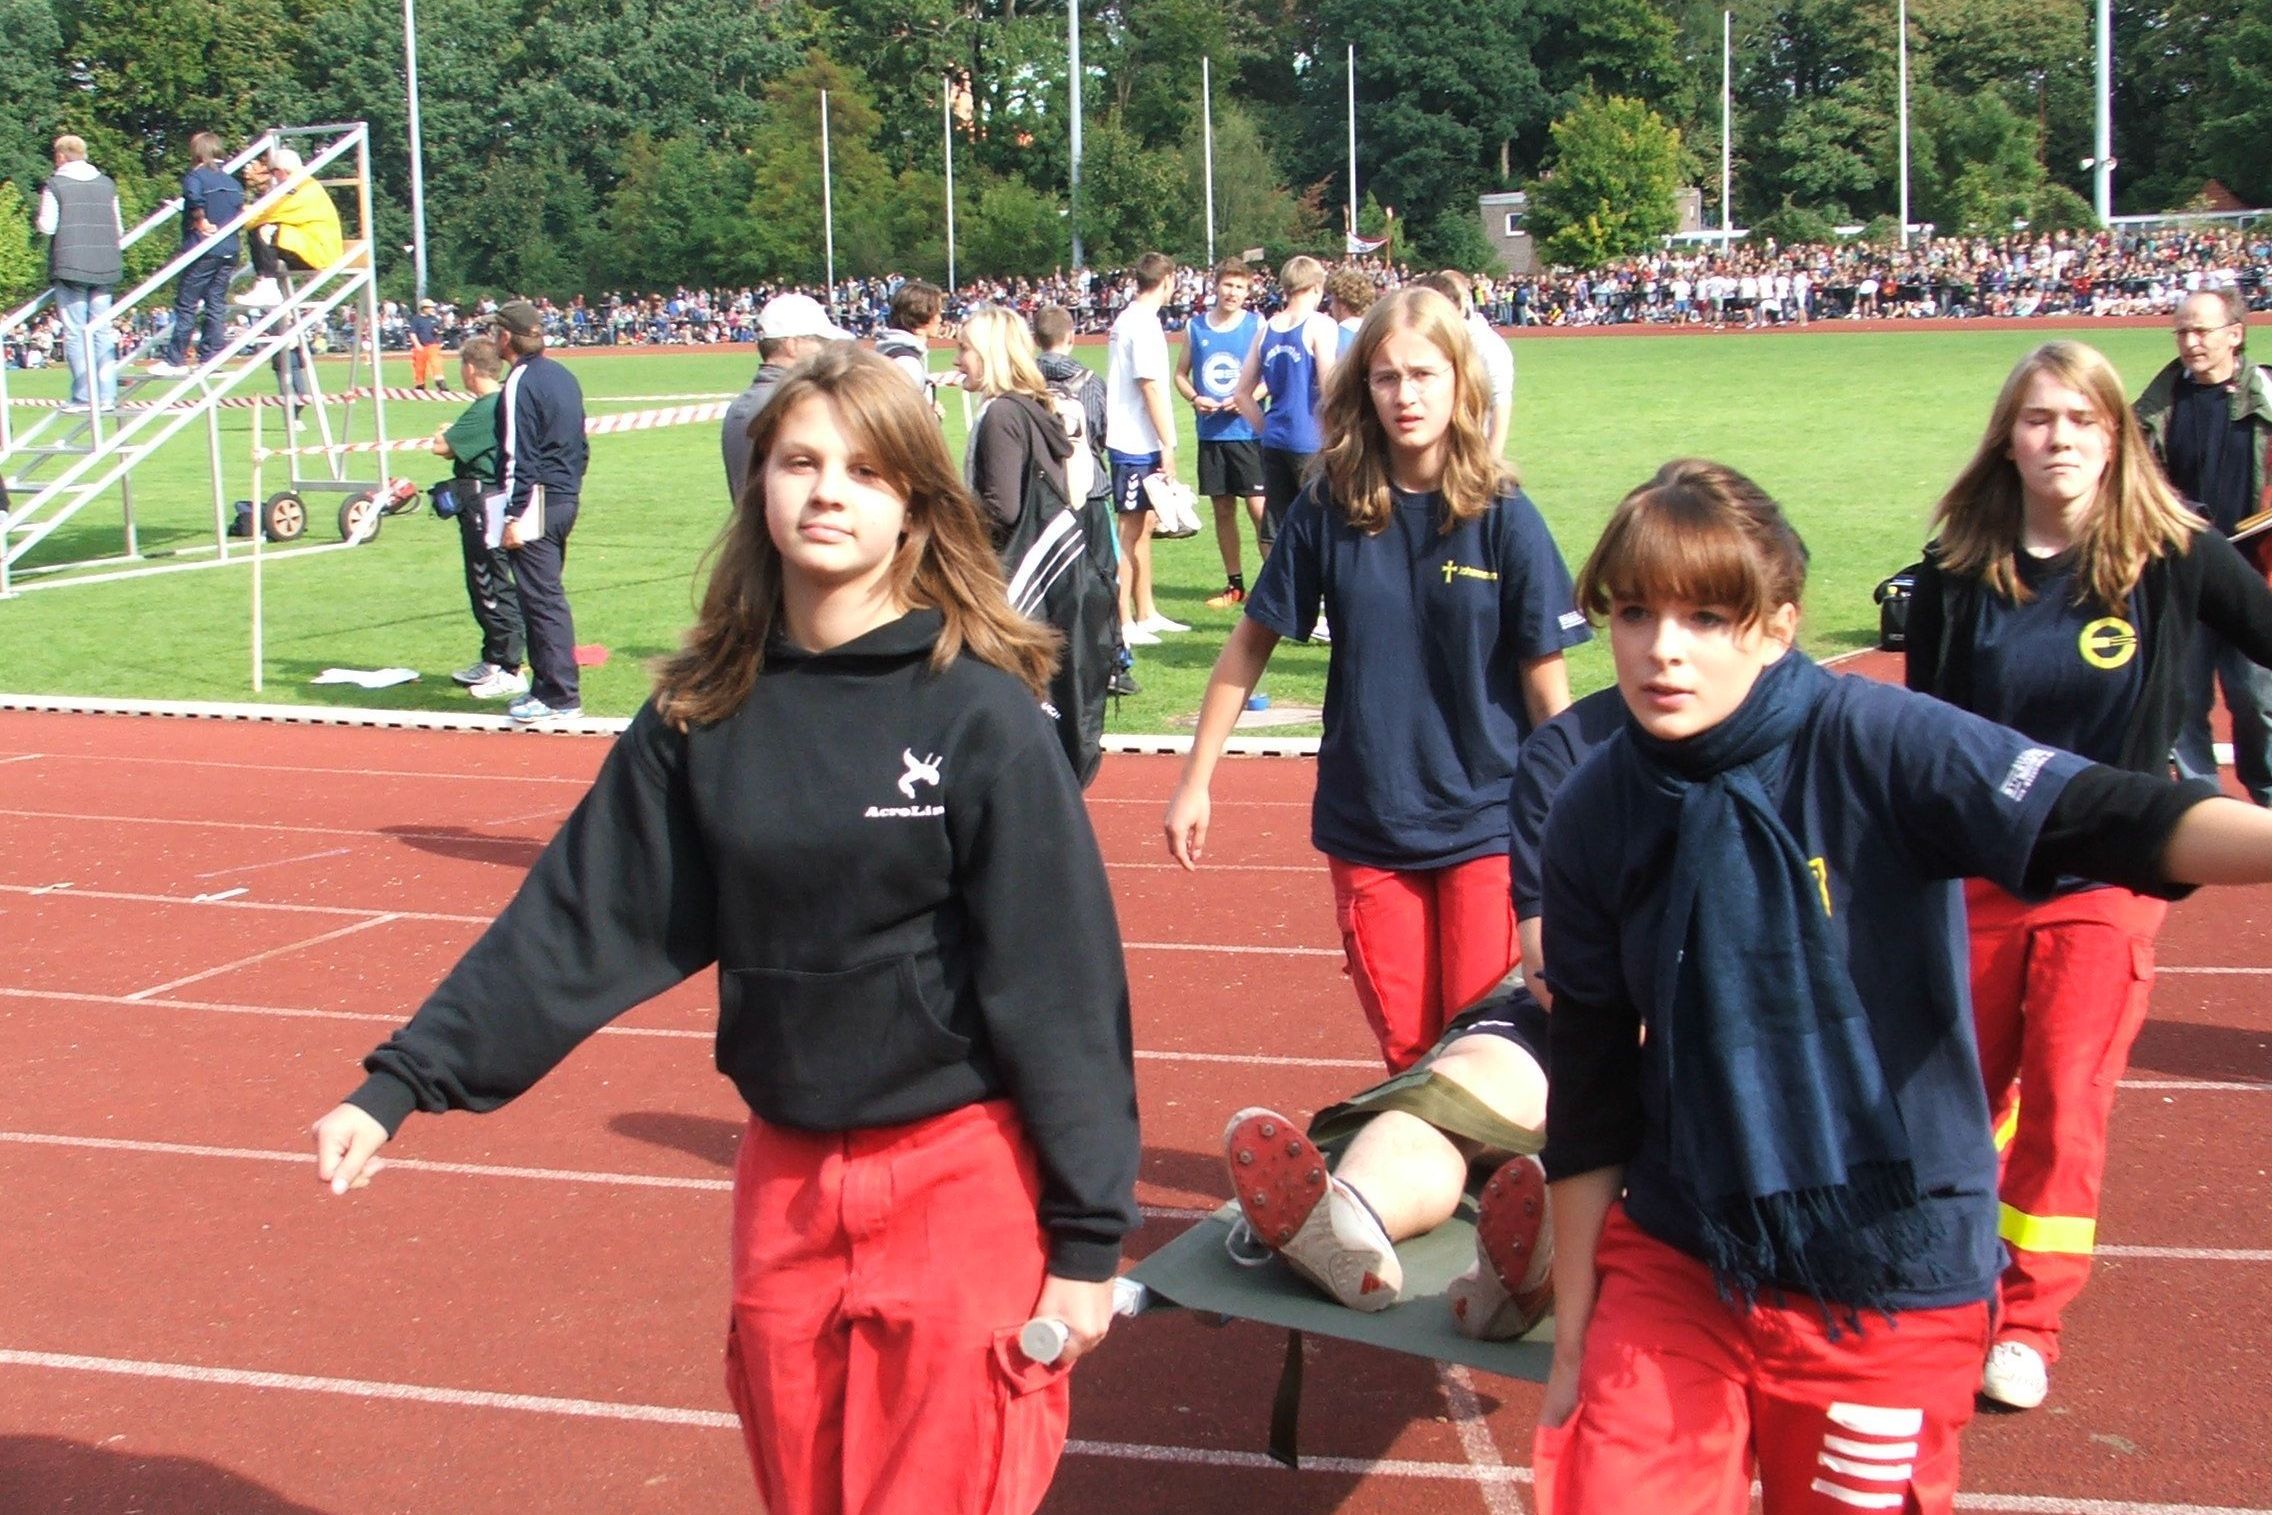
x: 1355, y: 464
x: 1700, y: 532
x: 2136, y: 518
x: 945, y: 560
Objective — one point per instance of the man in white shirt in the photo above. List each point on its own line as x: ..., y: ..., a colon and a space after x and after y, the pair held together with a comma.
x: 1139, y: 439
x: 1490, y: 347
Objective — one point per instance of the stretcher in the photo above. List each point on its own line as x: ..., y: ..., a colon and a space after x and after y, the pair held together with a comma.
x: 1195, y: 1272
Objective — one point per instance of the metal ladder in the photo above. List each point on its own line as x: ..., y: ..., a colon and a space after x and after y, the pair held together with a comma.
x: 62, y: 462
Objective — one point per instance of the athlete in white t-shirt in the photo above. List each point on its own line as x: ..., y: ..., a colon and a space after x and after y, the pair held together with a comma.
x: 1139, y: 438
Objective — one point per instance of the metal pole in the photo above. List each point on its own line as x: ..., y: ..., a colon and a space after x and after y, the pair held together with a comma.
x: 259, y: 537
x: 827, y: 204
x: 1073, y: 109
x: 2102, y: 161
x: 417, y: 150
x: 1903, y: 49
x: 947, y: 121
x: 1207, y: 130
x: 1727, y: 57
x: 1353, y: 230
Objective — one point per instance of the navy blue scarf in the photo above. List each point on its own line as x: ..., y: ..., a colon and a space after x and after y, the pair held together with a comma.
x: 1783, y: 1132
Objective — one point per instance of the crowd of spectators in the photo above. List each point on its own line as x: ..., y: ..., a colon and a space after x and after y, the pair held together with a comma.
x: 2064, y: 274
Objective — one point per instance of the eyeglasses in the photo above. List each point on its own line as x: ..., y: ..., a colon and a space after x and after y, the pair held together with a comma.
x: 2203, y: 331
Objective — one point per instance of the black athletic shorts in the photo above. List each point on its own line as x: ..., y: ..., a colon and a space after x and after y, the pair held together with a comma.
x: 1230, y: 468
x: 1510, y: 1011
x: 1283, y: 474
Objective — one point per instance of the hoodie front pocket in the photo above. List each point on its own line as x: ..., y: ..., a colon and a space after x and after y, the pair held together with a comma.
x: 821, y: 1043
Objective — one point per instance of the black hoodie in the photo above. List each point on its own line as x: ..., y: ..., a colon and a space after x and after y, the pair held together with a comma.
x: 1014, y: 428
x: 890, y: 867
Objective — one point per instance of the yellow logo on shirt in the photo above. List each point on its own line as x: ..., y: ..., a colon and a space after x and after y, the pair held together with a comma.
x: 1820, y: 868
x: 2109, y: 642
x: 1462, y: 571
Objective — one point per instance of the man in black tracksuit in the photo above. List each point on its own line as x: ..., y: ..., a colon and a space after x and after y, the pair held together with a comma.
x: 541, y: 459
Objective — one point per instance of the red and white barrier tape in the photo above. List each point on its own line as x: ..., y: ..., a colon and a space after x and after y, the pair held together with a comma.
x: 594, y: 426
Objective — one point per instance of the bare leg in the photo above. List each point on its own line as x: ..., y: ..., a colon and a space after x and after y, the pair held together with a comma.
x: 1227, y: 533
x: 1411, y: 1173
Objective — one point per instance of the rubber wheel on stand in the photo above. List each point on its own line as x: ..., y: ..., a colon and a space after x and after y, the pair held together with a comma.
x: 284, y: 517
x: 359, y: 518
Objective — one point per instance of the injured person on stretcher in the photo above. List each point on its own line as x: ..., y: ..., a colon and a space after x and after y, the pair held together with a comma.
x: 1456, y: 1133
x: 1401, y: 1158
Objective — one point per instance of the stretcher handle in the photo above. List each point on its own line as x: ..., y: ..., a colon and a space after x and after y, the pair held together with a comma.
x: 1044, y: 1340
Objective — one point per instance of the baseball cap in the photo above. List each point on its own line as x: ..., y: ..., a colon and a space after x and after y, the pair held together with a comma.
x: 787, y: 316
x: 520, y: 318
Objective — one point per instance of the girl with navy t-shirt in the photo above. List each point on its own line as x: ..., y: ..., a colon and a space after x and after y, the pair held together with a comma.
x: 844, y: 796
x: 1773, y: 1194
x: 2065, y: 585
x: 1451, y: 608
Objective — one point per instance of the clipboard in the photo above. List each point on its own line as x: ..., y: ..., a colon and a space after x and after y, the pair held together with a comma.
x: 493, y: 515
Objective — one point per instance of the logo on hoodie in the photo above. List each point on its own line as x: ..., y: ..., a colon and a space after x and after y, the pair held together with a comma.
x: 920, y: 770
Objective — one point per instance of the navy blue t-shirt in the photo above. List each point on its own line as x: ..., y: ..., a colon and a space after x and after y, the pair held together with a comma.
x: 2065, y: 674
x: 220, y: 196
x: 1896, y: 798
x: 1423, y: 690
x: 1552, y: 754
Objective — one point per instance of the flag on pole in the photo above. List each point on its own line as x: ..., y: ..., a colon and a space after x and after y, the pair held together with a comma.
x: 1357, y: 246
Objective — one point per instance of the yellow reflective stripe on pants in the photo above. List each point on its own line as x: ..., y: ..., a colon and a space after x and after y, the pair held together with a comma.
x: 2075, y: 1234
x: 2008, y: 1127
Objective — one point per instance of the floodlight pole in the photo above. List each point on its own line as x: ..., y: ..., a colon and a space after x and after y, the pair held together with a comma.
x: 1902, y: 47
x: 1207, y: 131
x: 827, y: 205
x: 1727, y: 55
x: 1354, y: 232
x: 417, y: 149
x: 1073, y: 110
x: 947, y: 123
x: 2102, y: 156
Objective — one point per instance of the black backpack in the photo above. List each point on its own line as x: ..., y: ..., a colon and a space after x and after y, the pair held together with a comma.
x: 1059, y: 563
x: 1892, y: 595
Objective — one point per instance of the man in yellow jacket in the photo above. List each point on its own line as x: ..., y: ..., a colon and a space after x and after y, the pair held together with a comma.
x: 299, y: 229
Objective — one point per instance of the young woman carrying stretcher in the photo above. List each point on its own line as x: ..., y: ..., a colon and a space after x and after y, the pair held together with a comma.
x: 1773, y: 1189
x: 845, y: 795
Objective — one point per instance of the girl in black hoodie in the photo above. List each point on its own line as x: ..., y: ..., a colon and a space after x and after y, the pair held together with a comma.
x: 844, y: 795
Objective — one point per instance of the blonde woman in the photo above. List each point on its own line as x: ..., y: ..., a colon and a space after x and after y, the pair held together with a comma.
x: 1452, y: 607
x: 1015, y: 425
x: 2059, y: 598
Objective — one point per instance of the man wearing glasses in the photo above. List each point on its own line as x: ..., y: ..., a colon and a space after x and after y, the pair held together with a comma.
x: 2209, y: 418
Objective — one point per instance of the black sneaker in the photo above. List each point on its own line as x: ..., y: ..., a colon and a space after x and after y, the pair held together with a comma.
x: 1122, y: 684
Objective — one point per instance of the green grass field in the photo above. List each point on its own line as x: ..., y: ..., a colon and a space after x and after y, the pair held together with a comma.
x: 1854, y: 433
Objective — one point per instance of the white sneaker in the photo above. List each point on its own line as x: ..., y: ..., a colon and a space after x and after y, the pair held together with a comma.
x: 1160, y: 625
x: 1321, y: 633
x: 501, y: 683
x: 161, y: 369
x: 1134, y: 634
x: 264, y: 295
x: 1313, y: 1220
x: 2016, y: 1376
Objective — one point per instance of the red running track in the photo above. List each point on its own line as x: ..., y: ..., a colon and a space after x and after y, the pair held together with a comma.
x: 525, y: 1314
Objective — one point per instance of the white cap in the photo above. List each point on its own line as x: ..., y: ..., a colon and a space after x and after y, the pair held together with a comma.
x: 787, y: 316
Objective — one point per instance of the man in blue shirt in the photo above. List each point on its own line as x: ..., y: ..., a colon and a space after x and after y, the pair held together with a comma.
x: 210, y: 200
x: 541, y: 459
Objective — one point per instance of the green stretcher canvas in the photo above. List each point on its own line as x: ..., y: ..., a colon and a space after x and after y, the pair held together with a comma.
x: 1195, y: 1272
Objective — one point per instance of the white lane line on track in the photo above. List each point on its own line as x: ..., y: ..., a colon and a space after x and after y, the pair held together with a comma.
x: 2221, y: 972
x: 261, y: 957
x: 1475, y: 1441
x: 459, y: 1170
x: 461, y: 839
x: 720, y: 1185
x: 1162, y: 1055
x: 21, y: 757
x: 314, y: 772
x: 2188, y: 1254
x: 376, y: 917
x: 1121, y: 1451
x: 303, y: 857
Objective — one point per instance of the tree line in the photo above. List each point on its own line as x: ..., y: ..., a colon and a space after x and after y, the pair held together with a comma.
x: 584, y: 145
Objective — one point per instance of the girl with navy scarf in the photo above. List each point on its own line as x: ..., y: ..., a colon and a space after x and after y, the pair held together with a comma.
x: 1773, y: 1191
x: 2063, y: 595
